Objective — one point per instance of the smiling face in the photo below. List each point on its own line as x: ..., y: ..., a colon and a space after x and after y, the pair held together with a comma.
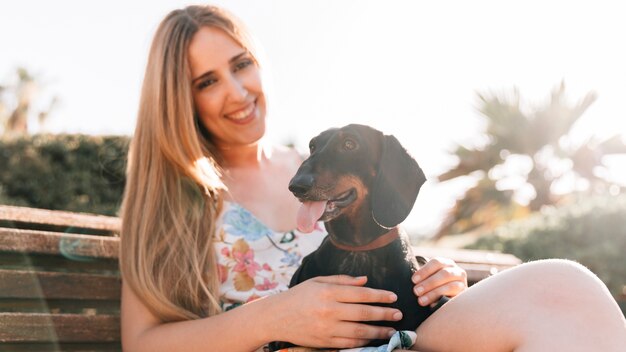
x: 227, y: 89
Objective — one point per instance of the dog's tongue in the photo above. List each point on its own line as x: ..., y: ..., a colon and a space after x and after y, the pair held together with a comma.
x: 308, y: 214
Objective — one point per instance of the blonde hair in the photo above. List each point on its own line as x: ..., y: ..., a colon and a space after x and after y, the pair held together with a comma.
x: 172, y: 196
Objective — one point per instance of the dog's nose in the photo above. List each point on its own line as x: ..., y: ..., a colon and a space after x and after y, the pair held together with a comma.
x: 301, y: 184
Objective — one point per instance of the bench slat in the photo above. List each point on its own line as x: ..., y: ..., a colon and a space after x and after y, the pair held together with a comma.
x: 60, y: 218
x: 60, y: 263
x: 57, y: 306
x: 477, y: 272
x: 29, y: 327
x: 477, y: 264
x: 53, y: 285
x: 468, y: 256
x: 34, y: 241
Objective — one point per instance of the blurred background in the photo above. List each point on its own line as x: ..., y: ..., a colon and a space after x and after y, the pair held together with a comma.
x: 515, y: 110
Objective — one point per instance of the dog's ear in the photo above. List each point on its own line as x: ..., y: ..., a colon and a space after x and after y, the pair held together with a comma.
x: 397, y: 184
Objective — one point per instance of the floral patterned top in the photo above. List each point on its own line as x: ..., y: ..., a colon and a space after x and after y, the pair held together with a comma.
x: 254, y: 260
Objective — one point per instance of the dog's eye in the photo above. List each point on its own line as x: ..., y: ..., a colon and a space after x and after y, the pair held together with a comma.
x: 311, y: 148
x: 349, y: 144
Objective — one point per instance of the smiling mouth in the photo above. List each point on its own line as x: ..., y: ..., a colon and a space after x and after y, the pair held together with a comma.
x: 243, y: 115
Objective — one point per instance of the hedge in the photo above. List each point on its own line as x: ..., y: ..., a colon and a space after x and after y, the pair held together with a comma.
x: 64, y: 172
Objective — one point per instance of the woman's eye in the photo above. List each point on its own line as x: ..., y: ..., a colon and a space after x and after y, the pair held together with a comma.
x: 349, y: 144
x: 205, y: 83
x: 243, y: 64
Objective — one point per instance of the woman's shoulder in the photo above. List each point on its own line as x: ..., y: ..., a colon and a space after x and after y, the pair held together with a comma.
x: 287, y: 156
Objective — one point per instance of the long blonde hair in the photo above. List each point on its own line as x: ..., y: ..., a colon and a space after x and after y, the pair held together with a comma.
x: 172, y: 196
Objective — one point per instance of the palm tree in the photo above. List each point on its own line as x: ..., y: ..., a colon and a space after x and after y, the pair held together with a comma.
x: 527, y: 152
x: 14, y: 120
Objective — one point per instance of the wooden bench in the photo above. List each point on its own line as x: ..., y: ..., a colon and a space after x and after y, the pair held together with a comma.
x: 60, y: 282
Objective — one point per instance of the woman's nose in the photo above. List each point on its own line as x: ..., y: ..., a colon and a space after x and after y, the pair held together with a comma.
x: 236, y: 89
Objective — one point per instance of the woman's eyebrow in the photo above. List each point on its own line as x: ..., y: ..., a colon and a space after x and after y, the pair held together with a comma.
x: 208, y: 73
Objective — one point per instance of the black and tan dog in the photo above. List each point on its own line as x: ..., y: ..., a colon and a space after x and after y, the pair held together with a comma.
x: 361, y: 184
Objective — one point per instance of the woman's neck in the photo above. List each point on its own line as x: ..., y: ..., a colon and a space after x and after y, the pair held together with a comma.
x: 243, y: 156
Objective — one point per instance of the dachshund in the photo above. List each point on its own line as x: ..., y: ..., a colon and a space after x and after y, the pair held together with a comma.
x: 361, y: 184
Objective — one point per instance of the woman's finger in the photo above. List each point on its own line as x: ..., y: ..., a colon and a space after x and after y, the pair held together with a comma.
x: 348, y: 289
x: 342, y: 280
x: 364, y: 312
x: 430, y: 268
x: 359, y: 331
x: 352, y: 294
x: 449, y: 289
x: 442, y: 277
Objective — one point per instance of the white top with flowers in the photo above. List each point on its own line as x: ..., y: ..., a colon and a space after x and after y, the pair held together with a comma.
x: 254, y: 260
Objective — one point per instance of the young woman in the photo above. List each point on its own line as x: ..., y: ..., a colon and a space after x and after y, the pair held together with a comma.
x: 208, y: 225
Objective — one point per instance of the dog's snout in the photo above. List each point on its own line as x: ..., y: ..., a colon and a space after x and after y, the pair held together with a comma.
x: 301, y: 184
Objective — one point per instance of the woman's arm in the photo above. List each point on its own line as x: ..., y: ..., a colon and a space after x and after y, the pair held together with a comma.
x: 318, y: 312
x: 142, y: 331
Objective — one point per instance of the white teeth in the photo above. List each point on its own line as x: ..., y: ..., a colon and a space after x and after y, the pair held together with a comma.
x: 242, y: 114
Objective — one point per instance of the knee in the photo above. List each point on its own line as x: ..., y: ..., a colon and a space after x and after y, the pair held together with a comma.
x: 562, y: 280
x: 568, y: 295
x: 560, y: 270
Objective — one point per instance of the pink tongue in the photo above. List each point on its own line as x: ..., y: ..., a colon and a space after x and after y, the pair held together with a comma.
x: 308, y: 214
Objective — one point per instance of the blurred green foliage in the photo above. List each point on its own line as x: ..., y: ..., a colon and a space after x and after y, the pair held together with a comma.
x: 590, y: 230
x: 64, y: 172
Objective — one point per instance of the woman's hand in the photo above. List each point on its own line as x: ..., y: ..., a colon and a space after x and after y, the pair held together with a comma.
x: 329, y: 311
x: 438, y: 277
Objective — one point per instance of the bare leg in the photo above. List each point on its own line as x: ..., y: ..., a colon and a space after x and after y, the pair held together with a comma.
x: 549, y: 305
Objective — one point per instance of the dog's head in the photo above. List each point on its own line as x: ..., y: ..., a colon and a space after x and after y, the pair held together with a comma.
x: 356, y: 174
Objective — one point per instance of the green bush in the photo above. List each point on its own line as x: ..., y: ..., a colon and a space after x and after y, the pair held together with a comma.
x: 64, y: 172
x: 591, y: 231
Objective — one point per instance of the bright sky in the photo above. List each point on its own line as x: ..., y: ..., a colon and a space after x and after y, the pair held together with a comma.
x: 410, y: 68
